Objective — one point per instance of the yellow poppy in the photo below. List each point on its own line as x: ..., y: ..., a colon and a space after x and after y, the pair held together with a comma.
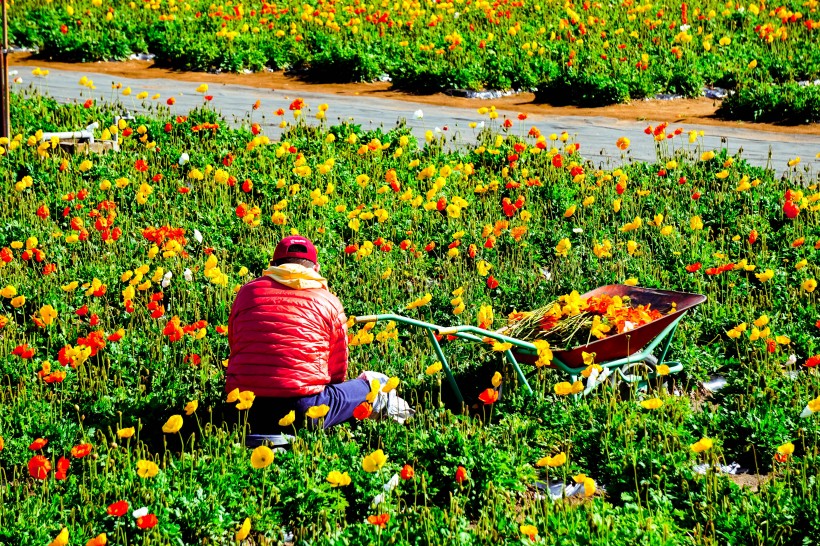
x: 375, y: 461
x: 392, y: 383
x: 652, y: 403
x: 246, y: 399
x: 125, y: 433
x: 191, y: 407
x: 338, y: 479
x: 317, y: 412
x: 433, y: 368
x: 701, y: 445
x: 554, y: 461
x: 261, y: 457
x: 61, y: 539
x: 147, y: 469
x: 172, y: 425
x: 288, y: 419
x: 244, y: 530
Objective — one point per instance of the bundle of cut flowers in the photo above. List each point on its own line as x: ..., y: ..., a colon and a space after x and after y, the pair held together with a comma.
x: 572, y: 320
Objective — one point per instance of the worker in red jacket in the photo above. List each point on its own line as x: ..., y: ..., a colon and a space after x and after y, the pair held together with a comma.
x: 288, y: 340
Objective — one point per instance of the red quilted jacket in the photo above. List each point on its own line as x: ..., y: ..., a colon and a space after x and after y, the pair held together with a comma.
x: 285, y: 342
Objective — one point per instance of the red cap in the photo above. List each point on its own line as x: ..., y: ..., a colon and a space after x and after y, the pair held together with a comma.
x: 295, y: 246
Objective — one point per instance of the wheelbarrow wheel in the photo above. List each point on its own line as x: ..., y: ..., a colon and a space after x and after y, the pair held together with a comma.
x: 633, y: 374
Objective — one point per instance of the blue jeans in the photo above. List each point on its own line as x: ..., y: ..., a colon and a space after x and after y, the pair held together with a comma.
x: 341, y: 398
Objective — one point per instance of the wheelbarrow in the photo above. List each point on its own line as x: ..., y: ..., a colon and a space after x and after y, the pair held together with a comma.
x: 627, y: 358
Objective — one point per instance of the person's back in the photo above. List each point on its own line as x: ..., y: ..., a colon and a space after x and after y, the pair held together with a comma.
x: 285, y: 341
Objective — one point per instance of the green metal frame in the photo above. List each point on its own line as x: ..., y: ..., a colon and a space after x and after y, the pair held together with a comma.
x: 473, y: 333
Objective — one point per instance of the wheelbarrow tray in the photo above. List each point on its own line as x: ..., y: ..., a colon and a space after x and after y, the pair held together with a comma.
x: 627, y: 343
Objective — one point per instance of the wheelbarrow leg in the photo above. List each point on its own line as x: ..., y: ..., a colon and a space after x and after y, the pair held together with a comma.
x: 445, y: 365
x: 668, y: 342
x: 511, y: 359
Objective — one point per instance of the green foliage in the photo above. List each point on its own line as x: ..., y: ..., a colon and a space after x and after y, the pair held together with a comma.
x: 588, y: 54
x: 647, y: 488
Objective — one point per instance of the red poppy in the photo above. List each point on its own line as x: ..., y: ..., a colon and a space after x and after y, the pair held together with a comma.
x: 407, y: 472
x: 771, y: 345
x: 752, y: 236
x: 89, y: 103
x: 488, y: 396
x: 696, y: 195
x: 48, y: 269
x: 461, y: 475
x: 42, y: 212
x: 363, y: 411
x: 39, y: 443
x: 557, y: 161
x: 171, y: 101
x: 194, y: 359
x: 141, y: 165
x: 813, y: 361
x: 492, y: 283
x: 62, y: 468
x: 55, y: 377
x: 781, y: 457
x: 118, y: 509
x: 64, y: 29
x: 380, y: 520
x: 80, y: 451
x: 82, y: 311
x: 691, y: 268
x: 790, y: 209
x: 351, y: 249
x: 146, y: 522
x: 39, y: 467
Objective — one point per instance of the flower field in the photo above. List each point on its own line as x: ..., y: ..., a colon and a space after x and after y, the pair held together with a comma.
x: 584, y: 53
x: 117, y: 273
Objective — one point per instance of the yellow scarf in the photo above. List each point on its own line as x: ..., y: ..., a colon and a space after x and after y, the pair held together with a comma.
x: 296, y: 276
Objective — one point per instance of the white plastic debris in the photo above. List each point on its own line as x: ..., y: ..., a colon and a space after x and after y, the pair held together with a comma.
x: 560, y: 490
x: 715, y: 383
x: 546, y: 274
x: 732, y: 468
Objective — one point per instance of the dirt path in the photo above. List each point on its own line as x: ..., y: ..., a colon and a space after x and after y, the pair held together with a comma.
x: 694, y: 112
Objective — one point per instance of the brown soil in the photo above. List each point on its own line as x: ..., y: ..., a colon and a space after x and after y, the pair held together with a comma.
x: 753, y: 481
x: 700, y: 111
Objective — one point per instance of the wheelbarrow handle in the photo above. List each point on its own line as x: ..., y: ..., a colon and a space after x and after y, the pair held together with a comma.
x: 365, y: 318
x: 448, y: 331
